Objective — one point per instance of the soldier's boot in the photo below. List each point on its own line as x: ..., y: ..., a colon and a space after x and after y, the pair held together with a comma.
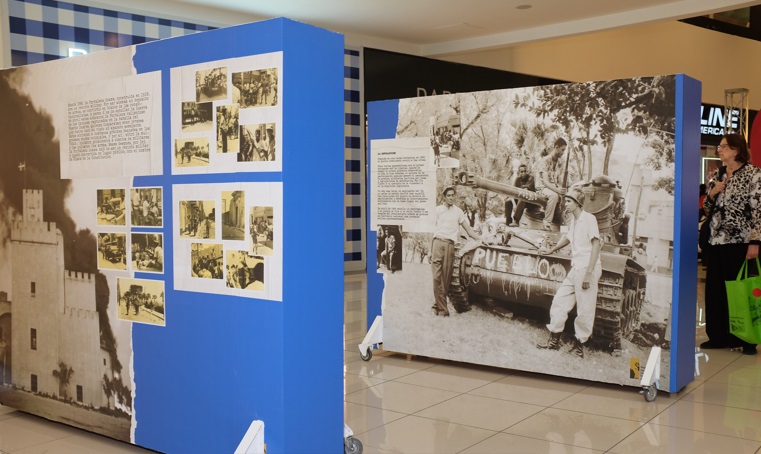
x: 553, y: 343
x: 578, y: 348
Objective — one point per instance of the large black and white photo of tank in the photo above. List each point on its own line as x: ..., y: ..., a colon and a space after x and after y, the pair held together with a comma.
x: 191, y: 152
x: 261, y: 231
x: 243, y: 271
x: 141, y: 301
x: 389, y: 248
x: 112, y: 207
x: 147, y: 207
x: 211, y: 84
x: 257, y: 88
x: 206, y: 261
x: 147, y: 252
x: 197, y: 116
x: 197, y: 219
x: 112, y: 251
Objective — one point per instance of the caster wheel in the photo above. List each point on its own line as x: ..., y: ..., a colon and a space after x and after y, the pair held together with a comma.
x: 367, y: 356
x: 352, y: 446
x: 650, y: 393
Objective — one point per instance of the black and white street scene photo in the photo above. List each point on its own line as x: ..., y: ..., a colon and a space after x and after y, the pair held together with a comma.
x: 261, y: 231
x: 552, y: 182
x: 146, y: 207
x: 197, y: 116
x: 197, y: 219
x: 233, y: 215
x: 243, y: 271
x: 206, y: 260
x: 141, y: 300
x: 445, y: 140
x: 257, y: 88
x: 147, y: 252
x: 389, y: 248
x: 211, y: 85
x: 112, y: 251
x: 112, y: 206
x: 191, y: 152
x: 227, y: 129
x: 257, y: 142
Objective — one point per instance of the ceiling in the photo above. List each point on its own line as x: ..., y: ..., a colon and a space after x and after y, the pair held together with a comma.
x: 436, y: 27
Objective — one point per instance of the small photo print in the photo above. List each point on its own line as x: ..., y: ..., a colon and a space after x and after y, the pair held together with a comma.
x: 243, y: 271
x: 257, y: 88
x: 197, y: 219
x: 257, y: 143
x: 389, y: 253
x: 227, y: 129
x: 191, y: 152
x: 206, y: 260
x: 211, y: 85
x: 112, y: 204
x: 146, y: 207
x: 233, y: 215
x: 445, y: 141
x: 147, y: 251
x: 141, y: 300
x: 260, y: 231
x: 112, y: 251
x: 197, y: 117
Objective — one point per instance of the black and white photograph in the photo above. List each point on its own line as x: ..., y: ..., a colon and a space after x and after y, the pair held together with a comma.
x: 147, y: 252
x: 257, y: 142
x: 206, y: 260
x: 147, y: 208
x: 227, y: 129
x: 197, y: 117
x: 389, y: 248
x: 197, y: 219
x: 233, y: 215
x: 243, y: 271
x: 497, y: 259
x: 112, y: 206
x: 261, y: 231
x: 141, y: 301
x: 211, y: 85
x: 257, y: 88
x: 445, y: 140
x: 112, y: 251
x: 191, y: 152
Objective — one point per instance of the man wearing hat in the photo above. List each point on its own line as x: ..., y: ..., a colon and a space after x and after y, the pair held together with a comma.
x: 579, y: 288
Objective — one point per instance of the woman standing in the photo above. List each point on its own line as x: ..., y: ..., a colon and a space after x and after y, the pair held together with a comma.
x: 735, y: 235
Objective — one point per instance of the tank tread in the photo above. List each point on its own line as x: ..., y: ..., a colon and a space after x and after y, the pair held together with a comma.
x: 458, y: 294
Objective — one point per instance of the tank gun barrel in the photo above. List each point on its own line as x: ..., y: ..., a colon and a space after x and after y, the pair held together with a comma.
x: 474, y: 181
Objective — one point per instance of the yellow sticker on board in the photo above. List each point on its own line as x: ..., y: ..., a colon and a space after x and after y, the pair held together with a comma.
x: 634, y: 368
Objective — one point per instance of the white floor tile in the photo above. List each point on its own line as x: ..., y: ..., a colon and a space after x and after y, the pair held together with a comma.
x: 655, y: 439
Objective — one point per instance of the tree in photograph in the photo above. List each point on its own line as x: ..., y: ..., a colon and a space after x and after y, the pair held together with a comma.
x: 63, y: 374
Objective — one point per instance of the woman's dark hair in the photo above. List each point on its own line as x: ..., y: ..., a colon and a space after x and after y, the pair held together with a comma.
x: 737, y: 142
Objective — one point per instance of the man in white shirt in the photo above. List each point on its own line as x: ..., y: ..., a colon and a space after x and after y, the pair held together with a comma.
x: 579, y: 288
x: 449, y: 218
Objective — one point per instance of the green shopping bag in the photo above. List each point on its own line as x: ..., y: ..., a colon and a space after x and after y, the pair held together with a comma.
x: 744, y: 297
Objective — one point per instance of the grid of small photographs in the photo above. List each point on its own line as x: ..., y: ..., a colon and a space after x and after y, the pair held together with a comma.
x: 226, y: 239
x: 226, y: 115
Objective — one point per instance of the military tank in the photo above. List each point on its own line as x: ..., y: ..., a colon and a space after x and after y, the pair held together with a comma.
x: 509, y: 270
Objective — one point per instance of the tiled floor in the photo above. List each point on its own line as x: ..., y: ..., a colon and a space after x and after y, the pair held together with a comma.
x: 396, y: 404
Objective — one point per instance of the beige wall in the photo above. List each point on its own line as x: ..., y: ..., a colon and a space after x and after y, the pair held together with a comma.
x: 718, y: 60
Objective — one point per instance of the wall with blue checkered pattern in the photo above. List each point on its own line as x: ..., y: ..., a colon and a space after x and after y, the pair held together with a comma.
x: 42, y: 30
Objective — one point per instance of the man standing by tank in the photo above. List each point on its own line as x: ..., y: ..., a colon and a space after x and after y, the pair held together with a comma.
x: 579, y: 288
x: 449, y: 218
x: 549, y: 179
x: 524, y: 180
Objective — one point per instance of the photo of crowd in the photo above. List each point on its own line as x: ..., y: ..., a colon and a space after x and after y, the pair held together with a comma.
x: 112, y: 251
x: 243, y: 271
x: 191, y: 152
x: 211, y: 85
x: 147, y: 251
x: 197, y: 116
x: 260, y: 231
x: 206, y: 260
x: 146, y: 207
x: 111, y: 204
x: 257, y: 88
x: 227, y: 128
x: 141, y: 300
x: 257, y: 142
